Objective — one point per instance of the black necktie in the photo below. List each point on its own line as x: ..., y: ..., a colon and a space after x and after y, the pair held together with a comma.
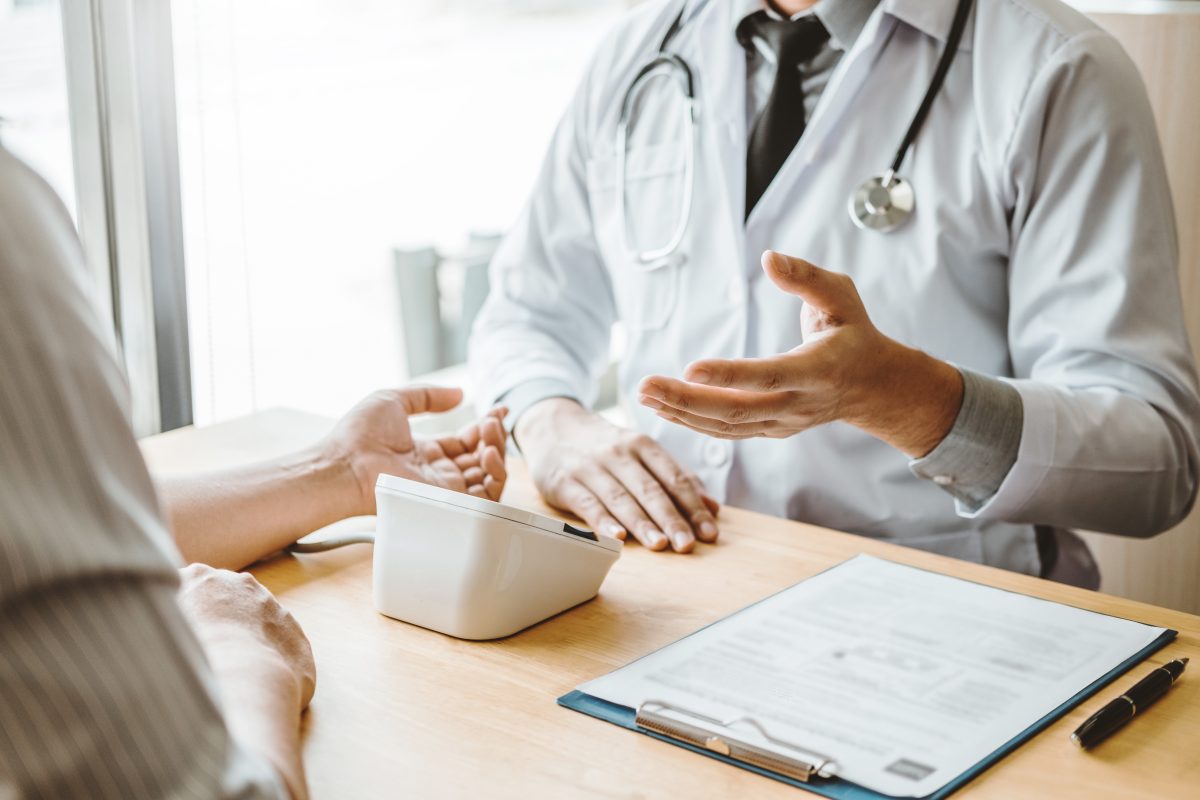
x: 781, y: 122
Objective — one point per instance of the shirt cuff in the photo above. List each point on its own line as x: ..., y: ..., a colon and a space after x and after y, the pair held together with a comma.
x: 976, y: 456
x: 521, y: 398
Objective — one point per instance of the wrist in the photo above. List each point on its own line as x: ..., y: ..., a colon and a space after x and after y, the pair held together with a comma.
x: 244, y: 659
x: 340, y: 477
x: 542, y: 419
x: 915, y: 400
x: 263, y: 701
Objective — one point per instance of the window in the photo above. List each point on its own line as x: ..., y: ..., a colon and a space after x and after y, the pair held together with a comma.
x: 34, y: 122
x: 318, y: 138
x: 81, y: 101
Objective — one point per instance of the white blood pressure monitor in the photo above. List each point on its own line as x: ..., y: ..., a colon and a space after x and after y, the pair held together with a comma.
x: 476, y: 569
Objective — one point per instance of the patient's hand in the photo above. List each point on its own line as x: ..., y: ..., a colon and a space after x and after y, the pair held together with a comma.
x: 375, y: 437
x: 261, y: 659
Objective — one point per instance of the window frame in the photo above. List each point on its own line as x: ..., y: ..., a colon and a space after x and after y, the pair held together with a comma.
x: 121, y: 97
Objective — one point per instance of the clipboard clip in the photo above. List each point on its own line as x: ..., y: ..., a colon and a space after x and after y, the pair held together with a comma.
x: 803, y: 766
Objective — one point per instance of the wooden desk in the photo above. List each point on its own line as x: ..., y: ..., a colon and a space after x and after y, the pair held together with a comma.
x: 405, y: 712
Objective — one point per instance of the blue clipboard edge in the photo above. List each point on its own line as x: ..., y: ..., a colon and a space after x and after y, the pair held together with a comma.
x: 844, y: 790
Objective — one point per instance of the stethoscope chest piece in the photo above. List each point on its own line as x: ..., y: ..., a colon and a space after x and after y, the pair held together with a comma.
x: 883, y: 203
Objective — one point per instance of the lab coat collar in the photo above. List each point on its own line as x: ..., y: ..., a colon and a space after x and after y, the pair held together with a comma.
x: 932, y: 17
x: 844, y: 19
x: 722, y: 90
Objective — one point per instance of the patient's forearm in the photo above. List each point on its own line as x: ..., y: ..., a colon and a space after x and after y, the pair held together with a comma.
x: 231, y: 519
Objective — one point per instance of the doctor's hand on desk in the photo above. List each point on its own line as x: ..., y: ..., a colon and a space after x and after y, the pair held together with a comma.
x: 846, y: 370
x: 615, y: 480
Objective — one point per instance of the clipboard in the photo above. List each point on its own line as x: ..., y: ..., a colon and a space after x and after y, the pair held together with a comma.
x: 801, y: 767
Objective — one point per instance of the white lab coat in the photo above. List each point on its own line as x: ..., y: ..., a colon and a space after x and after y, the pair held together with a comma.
x: 1042, y: 250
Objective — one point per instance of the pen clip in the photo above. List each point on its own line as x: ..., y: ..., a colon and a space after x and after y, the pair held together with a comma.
x: 652, y: 715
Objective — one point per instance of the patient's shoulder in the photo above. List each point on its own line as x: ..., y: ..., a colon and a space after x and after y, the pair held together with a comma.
x: 33, y: 220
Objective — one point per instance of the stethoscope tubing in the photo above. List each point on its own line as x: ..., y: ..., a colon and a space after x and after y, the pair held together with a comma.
x: 882, y: 218
x: 953, y: 38
x: 647, y: 260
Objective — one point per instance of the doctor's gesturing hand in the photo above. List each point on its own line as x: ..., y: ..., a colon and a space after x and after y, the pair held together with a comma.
x: 615, y: 480
x: 846, y: 370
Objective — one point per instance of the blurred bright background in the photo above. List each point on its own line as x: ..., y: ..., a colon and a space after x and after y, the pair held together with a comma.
x: 34, y: 122
x: 315, y: 138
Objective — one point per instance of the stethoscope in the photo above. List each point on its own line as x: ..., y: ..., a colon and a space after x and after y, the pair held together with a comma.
x: 882, y: 203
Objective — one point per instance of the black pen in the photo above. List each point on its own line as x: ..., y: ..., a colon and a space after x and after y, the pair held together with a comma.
x: 1140, y: 696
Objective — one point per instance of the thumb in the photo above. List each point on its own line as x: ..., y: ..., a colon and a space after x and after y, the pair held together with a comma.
x: 425, y: 399
x: 832, y: 293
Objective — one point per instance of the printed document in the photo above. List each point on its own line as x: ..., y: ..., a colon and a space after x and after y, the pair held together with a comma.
x: 904, y: 678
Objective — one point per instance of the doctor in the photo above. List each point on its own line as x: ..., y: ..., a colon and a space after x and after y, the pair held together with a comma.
x: 984, y: 338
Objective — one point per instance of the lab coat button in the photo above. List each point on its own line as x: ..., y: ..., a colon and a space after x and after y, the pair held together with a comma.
x: 943, y: 480
x: 716, y: 453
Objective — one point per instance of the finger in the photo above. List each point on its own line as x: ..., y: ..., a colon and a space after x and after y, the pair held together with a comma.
x: 725, y: 429
x: 832, y: 293
x: 493, y: 488
x: 453, y: 447
x: 622, y: 505
x: 670, y: 417
x: 478, y: 490
x: 773, y: 375
x: 682, y: 487
x: 469, y: 436
x: 583, y: 503
x: 487, y: 431
x: 466, y: 461
x: 493, y: 464
x: 496, y: 473
x: 474, y: 476
x: 492, y: 434
x: 710, y: 502
x: 430, y: 399
x: 449, y: 475
x: 731, y: 405
x: 651, y: 496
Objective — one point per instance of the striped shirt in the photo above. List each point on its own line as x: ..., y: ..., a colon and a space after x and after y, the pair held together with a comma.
x: 104, y: 689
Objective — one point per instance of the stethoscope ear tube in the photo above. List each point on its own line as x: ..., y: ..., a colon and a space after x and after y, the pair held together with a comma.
x: 882, y: 203
x: 669, y: 65
x: 650, y: 259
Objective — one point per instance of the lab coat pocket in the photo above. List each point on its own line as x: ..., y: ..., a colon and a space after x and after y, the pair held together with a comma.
x: 647, y: 292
